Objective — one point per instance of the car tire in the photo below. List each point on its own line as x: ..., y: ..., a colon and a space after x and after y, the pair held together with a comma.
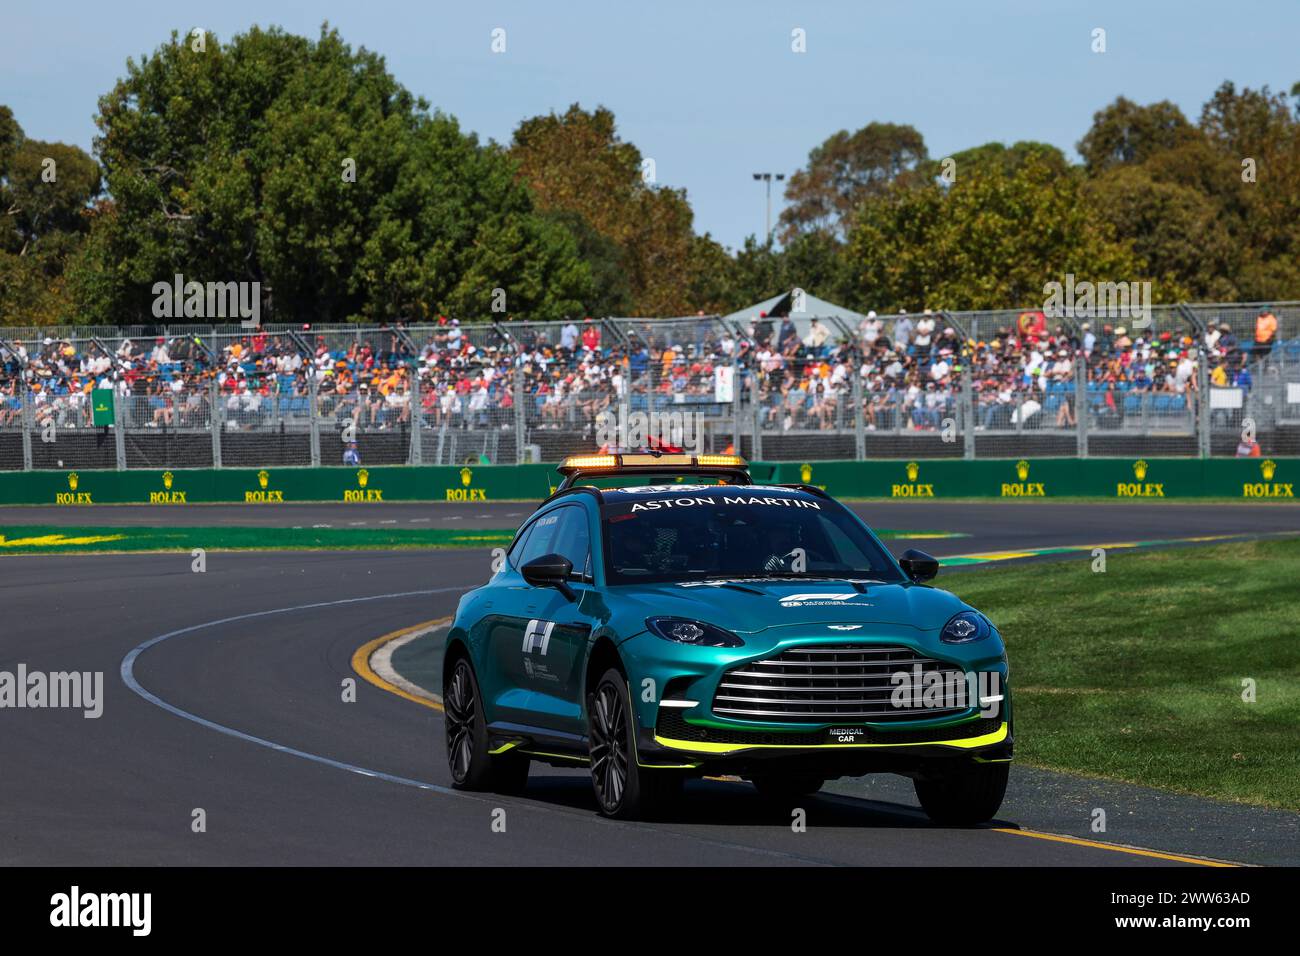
x: 786, y: 788
x: 472, y: 766
x: 624, y: 789
x: 964, y: 797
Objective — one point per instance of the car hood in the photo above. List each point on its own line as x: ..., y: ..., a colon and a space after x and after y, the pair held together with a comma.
x: 786, y: 603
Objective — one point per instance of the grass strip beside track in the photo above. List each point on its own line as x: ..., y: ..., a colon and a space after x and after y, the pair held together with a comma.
x: 37, y: 539
x: 1136, y: 674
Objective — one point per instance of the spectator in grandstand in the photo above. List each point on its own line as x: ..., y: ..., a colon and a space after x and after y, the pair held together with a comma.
x: 1219, y: 375
x: 397, y: 406
x: 1227, y: 340
x: 923, y: 336
x: 590, y: 335
x: 902, y: 332
x: 351, y: 456
x: 870, y: 329
x: 569, y: 336
x: 1242, y: 379
x: 1212, y: 335
x: 817, y: 336
x: 787, y: 340
x: 1265, y: 333
x: 1089, y: 340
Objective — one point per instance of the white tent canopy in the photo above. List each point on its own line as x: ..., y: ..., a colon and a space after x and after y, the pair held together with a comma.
x: 801, y: 307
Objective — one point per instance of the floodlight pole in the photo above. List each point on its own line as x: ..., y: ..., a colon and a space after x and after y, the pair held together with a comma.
x: 767, y: 179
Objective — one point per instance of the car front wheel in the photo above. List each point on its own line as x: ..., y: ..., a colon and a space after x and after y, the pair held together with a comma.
x: 624, y: 789
x: 964, y: 797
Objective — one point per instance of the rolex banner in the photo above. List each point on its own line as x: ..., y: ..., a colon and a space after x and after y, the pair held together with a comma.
x: 1263, y: 479
x: 102, y: 408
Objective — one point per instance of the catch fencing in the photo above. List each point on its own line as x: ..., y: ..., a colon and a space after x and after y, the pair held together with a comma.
x: 1189, y: 380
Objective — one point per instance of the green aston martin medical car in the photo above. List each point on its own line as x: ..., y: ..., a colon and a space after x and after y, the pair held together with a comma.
x: 707, y: 625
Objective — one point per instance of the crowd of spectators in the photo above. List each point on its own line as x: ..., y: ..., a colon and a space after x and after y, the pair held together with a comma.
x: 911, y: 370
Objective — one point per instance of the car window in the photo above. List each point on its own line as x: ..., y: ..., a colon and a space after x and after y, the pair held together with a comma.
x: 543, y: 536
x: 564, y: 532
x: 573, y: 539
x: 517, y: 547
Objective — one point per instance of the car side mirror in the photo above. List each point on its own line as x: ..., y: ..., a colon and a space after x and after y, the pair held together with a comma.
x: 918, y: 565
x: 550, y: 571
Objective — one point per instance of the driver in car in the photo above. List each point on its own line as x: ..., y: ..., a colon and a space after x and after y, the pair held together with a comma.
x: 786, y: 555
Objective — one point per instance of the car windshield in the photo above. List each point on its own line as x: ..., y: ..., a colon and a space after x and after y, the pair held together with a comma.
x: 745, y: 533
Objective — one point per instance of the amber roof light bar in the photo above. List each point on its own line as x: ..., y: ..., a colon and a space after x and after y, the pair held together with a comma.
x: 732, y: 467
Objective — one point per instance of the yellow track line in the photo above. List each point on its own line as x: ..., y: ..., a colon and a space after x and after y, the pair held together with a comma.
x: 1118, y: 848
x: 361, y: 662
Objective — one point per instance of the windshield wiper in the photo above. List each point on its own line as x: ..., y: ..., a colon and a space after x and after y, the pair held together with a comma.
x: 803, y: 575
x: 709, y: 582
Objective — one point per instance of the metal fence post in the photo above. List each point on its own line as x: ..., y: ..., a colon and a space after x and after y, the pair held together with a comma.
x: 416, y: 456
x: 736, y: 403
x: 119, y: 432
x: 521, y: 415
x: 756, y: 452
x: 859, y: 418
x: 967, y: 410
x: 27, y: 417
x: 214, y: 419
x: 1081, y: 410
x: 312, y: 416
x: 1203, y: 404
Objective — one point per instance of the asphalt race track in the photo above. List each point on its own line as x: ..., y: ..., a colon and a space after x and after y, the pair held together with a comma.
x: 988, y: 526
x: 223, y: 692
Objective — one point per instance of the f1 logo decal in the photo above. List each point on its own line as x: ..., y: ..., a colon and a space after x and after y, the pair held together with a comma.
x: 537, y: 636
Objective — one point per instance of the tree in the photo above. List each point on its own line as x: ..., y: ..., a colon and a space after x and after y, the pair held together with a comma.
x: 992, y: 158
x: 846, y: 169
x: 1176, y: 230
x: 45, y: 189
x: 992, y: 239
x: 576, y: 164
x: 1125, y: 132
x: 303, y: 165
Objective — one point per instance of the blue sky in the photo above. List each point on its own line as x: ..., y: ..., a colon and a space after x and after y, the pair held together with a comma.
x: 710, y: 90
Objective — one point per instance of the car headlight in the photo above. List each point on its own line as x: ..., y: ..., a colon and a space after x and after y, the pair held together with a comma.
x: 965, y: 627
x: 683, y: 630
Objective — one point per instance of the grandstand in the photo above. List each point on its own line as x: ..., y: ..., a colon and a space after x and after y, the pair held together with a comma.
x: 788, y: 379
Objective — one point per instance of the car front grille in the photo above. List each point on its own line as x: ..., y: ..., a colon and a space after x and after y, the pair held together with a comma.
x: 823, y: 683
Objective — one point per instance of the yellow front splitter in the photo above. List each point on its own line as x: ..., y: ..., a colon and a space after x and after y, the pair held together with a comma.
x: 968, y: 743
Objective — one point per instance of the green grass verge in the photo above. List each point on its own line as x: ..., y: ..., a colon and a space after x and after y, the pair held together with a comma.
x: 1136, y: 674
x: 48, y: 539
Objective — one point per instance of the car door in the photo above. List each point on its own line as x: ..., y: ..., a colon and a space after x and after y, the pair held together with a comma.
x: 541, y: 642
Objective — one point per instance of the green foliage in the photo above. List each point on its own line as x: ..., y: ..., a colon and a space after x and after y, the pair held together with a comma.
x: 639, y: 233
x: 1125, y: 133
x: 229, y: 164
x: 991, y: 239
x: 44, y: 192
x: 847, y: 169
x: 234, y: 164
